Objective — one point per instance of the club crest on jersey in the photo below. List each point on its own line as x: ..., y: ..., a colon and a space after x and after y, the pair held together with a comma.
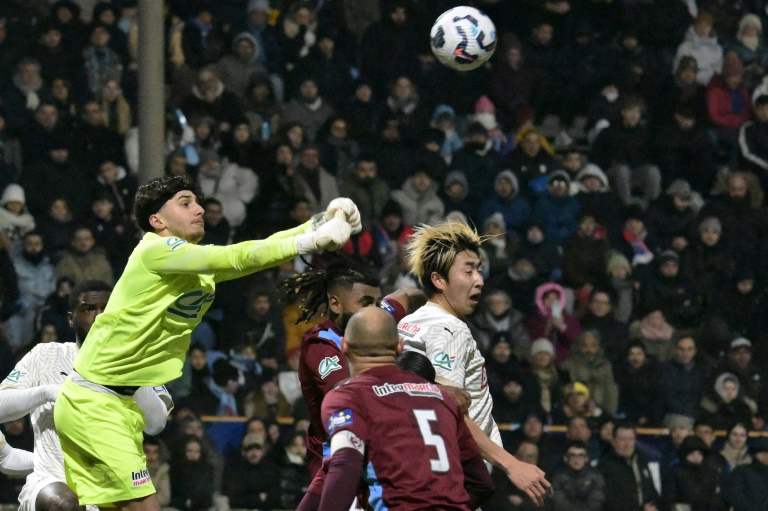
x: 443, y: 360
x: 15, y: 376
x: 140, y: 477
x: 339, y: 419
x: 174, y: 242
x: 328, y: 365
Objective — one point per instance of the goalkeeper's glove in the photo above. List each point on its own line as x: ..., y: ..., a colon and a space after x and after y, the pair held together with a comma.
x: 328, y: 235
x: 344, y: 205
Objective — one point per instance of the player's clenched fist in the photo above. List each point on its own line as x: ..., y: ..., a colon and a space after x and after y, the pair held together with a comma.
x: 331, y: 235
x: 350, y: 211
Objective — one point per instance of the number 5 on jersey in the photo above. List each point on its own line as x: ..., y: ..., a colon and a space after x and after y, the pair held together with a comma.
x: 423, y: 418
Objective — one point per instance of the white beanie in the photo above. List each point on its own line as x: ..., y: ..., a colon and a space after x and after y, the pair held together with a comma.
x: 542, y: 344
x: 13, y: 193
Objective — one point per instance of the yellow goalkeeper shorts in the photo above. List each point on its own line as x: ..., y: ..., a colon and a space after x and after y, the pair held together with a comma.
x: 101, y: 436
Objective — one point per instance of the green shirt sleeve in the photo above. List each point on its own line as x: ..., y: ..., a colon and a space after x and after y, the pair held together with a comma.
x: 174, y: 255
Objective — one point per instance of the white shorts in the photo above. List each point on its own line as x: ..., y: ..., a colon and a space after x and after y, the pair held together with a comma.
x: 32, y: 488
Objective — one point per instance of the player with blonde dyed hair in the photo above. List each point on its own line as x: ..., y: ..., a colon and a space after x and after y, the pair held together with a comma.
x: 445, y: 258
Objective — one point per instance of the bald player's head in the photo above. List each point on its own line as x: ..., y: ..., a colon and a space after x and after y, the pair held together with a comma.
x: 372, y: 332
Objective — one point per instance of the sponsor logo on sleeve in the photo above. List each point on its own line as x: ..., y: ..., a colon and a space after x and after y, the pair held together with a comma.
x: 412, y: 389
x: 174, y: 242
x: 387, y: 307
x: 328, y: 365
x: 15, y: 376
x: 338, y: 420
x: 140, y: 477
x: 443, y: 360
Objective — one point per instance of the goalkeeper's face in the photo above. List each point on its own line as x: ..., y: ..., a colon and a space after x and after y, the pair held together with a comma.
x: 182, y: 217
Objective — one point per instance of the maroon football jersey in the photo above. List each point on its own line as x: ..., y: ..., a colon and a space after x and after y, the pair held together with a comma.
x: 415, y: 437
x: 321, y: 367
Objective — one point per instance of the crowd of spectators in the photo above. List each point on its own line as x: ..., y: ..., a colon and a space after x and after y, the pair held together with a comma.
x: 614, y: 152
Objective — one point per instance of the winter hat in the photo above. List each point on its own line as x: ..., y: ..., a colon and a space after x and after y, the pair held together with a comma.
x: 484, y: 104
x: 680, y: 189
x: 690, y: 444
x: 617, y: 260
x: 456, y: 176
x: 637, y: 343
x: 13, y: 193
x: 750, y: 19
x: 496, y: 219
x: 678, y: 421
x: 456, y: 216
x: 720, y: 382
x: 247, y: 37
x: 740, y: 342
x: 476, y: 128
x: 542, y: 344
x: 711, y: 223
x: 579, y: 387
x: 443, y: 111
x: 634, y: 212
x: 508, y: 175
x: 592, y: 170
x: 258, y: 5
x: 732, y: 65
x: 559, y: 175
x: 669, y: 255
x: 391, y: 208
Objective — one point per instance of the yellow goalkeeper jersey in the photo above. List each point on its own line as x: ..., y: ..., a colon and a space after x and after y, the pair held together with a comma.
x: 143, y: 335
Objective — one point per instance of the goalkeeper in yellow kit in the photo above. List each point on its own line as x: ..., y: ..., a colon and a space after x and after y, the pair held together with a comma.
x: 142, y: 336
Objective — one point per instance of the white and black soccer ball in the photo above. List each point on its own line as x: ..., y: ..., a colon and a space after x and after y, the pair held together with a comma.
x: 463, y: 38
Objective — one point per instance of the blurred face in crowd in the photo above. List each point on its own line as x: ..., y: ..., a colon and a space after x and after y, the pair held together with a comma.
x: 532, y: 427
x: 339, y: 129
x: 257, y: 18
x: 578, y: 430
x: 177, y: 165
x: 295, y: 135
x: 589, y: 345
x: 30, y: 74
x: 631, y: 116
x: 634, y: 226
x: 542, y: 359
x: 737, y: 187
x: 152, y: 452
x: 761, y: 112
x: 624, y: 442
x: 513, y: 391
x: 702, y: 29
x: 284, y: 155
x: 93, y: 114
x: 108, y: 171
x: 573, y: 161
x: 59, y: 211
x: 531, y: 144
x: 737, y: 437
x: 193, y: 450
x: 588, y: 225
x: 514, y: 57
x: 729, y: 391
x: 82, y: 240
x: 695, y: 457
x: 681, y: 204
x: 391, y: 131
x: 194, y: 427
x: 685, y: 123
x: 308, y: 91
x: 298, y: 446
x: 102, y: 208
x: 710, y: 237
x: 421, y: 181
x: 600, y: 305
x: 245, y: 50
x: 392, y: 222
x: 242, y: 133
x: 197, y: 359
x: 366, y: 171
x: 111, y: 91
x: 402, y: 89
x: 678, y: 434
x: 364, y: 93
x: 398, y: 16
x: 310, y: 158
x: 745, y: 286
x: 685, y: 350
x: 550, y: 298
x: 260, y: 305
x: 51, y: 38
x: 592, y: 183
x: 636, y: 357
x: 741, y: 357
x: 576, y: 458
x: 59, y: 155
x: 47, y: 116
x: 48, y: 333
x: 301, y: 212
x: 558, y: 187
x: 501, y: 352
x: 99, y: 37
x: 213, y: 215
x: 670, y: 268
x: 528, y: 453
x: 543, y: 34
x: 504, y: 188
x: 705, y: 432
x: 733, y: 81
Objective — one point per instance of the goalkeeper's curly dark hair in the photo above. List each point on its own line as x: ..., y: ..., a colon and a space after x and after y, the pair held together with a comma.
x: 311, y: 288
x: 151, y: 196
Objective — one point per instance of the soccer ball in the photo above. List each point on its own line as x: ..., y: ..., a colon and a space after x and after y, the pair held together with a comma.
x: 463, y: 38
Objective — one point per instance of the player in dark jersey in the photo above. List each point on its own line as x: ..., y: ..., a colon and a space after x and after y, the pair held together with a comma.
x: 340, y: 290
x: 411, y: 433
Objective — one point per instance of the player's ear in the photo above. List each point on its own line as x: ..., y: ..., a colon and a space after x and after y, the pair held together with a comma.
x: 70, y: 317
x: 156, y: 221
x: 400, y: 346
x: 438, y: 281
x: 334, y: 303
x: 344, y: 346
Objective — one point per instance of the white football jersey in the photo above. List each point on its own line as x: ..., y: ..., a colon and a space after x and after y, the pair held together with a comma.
x: 449, y: 345
x: 47, y: 363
